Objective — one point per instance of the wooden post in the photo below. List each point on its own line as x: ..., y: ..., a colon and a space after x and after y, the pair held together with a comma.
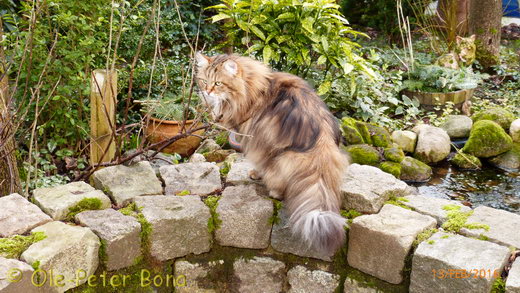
x: 103, y: 94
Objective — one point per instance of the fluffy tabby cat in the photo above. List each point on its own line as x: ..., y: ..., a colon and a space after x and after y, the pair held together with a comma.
x: 463, y: 56
x: 292, y: 139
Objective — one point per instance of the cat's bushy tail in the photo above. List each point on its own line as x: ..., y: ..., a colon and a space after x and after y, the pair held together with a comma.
x: 315, y: 203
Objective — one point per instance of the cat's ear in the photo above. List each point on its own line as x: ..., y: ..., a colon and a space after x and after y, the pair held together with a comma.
x: 459, y: 39
x: 473, y: 37
x: 202, y: 60
x: 231, y: 67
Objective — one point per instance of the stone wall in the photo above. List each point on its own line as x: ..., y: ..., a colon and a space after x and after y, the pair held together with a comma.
x: 191, y: 229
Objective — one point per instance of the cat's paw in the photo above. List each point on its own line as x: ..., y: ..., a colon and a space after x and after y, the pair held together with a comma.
x: 255, y: 175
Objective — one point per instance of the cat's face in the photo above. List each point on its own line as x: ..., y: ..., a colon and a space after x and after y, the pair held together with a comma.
x: 466, y: 49
x: 217, y: 79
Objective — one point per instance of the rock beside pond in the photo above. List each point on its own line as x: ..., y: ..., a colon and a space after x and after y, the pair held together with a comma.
x: 514, y: 130
x: 405, y: 139
x: 363, y: 154
x: 457, y: 126
x: 433, y: 144
x: 415, y: 170
x: 391, y: 167
x: 394, y: 154
x: 487, y: 139
x: 509, y: 159
x: 503, y: 117
x: 466, y: 161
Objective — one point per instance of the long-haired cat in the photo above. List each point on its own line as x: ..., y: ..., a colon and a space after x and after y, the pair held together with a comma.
x: 292, y: 139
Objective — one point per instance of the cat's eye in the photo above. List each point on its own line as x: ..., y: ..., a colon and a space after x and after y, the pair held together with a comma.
x: 203, y: 81
x: 218, y: 83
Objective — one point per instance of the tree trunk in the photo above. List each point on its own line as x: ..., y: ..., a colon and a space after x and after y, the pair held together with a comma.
x: 9, y: 176
x: 485, y: 18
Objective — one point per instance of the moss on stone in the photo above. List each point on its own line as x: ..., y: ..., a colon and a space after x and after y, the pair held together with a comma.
x: 222, y: 139
x: 363, y: 154
x: 86, y: 204
x: 224, y: 169
x: 466, y: 161
x: 394, y: 154
x: 509, y: 159
x: 487, y: 139
x: 146, y: 228
x: 499, y: 285
x: 414, y: 170
x: 350, y: 131
x: 458, y: 220
x: 379, y: 135
x: 431, y: 242
x: 277, y: 206
x: 183, y: 192
x: 350, y: 214
x: 503, y: 117
x: 398, y: 201
x: 214, y: 221
x: 14, y: 246
x: 363, y: 130
x: 423, y: 236
x: 391, y: 167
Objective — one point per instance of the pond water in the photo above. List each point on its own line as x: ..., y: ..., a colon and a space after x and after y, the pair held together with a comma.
x: 490, y: 186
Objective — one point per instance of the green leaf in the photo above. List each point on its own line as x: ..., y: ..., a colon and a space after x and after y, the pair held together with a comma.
x: 218, y: 6
x: 324, y: 87
x: 322, y: 59
x: 307, y: 24
x: 267, y: 53
x: 257, y: 32
x: 286, y: 16
x: 255, y: 48
x: 219, y: 17
x: 325, y: 43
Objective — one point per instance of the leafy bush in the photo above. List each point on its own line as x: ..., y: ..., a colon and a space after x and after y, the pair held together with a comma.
x: 433, y: 78
x: 378, y: 14
x: 294, y: 36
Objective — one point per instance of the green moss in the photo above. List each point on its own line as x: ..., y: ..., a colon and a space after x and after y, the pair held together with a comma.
x: 277, y: 206
x: 392, y: 168
x: 350, y: 131
x: 36, y: 265
x: 350, y: 214
x: 12, y: 247
x: 214, y: 222
x: 380, y: 136
x: 363, y: 154
x: 146, y: 228
x: 398, y: 201
x: 487, y: 139
x: 224, y: 169
x: 363, y: 130
x: 458, y: 220
x: 184, y: 192
x: 503, y: 117
x: 394, y: 154
x: 499, y: 286
x: 86, y: 204
x: 424, y: 235
x: 466, y: 161
x: 222, y: 139
x: 103, y: 258
x: 415, y: 170
x: 431, y: 242
x: 445, y: 236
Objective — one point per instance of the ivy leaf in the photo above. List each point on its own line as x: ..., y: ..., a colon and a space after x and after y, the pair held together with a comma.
x: 325, y: 43
x: 286, y: 16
